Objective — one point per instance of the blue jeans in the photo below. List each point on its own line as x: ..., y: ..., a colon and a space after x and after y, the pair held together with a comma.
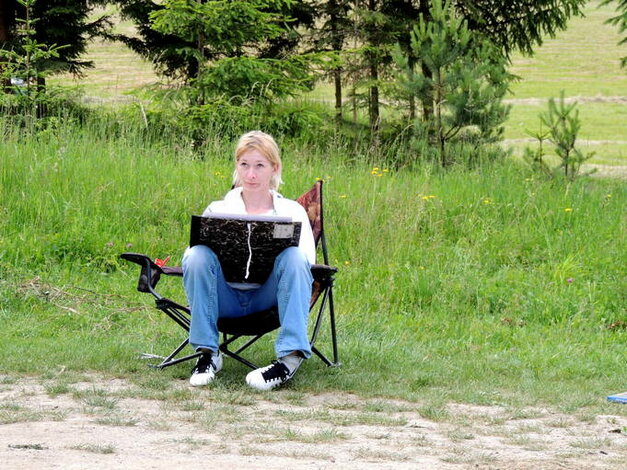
x: 210, y: 298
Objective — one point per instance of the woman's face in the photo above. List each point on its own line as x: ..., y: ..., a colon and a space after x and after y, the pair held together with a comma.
x: 255, y: 171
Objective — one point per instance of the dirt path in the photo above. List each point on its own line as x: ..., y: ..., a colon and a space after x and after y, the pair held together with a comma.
x: 102, y: 423
x: 569, y: 99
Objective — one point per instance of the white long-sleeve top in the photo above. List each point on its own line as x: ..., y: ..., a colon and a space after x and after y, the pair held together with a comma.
x: 233, y: 203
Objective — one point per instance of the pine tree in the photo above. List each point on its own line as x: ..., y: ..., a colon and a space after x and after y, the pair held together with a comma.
x: 465, y: 82
x: 59, y: 22
x: 63, y: 22
x: 230, y: 47
x: 519, y: 25
x: 177, y: 52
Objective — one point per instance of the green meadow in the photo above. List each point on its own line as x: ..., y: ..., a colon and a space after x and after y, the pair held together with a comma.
x: 584, y: 63
x: 484, y: 286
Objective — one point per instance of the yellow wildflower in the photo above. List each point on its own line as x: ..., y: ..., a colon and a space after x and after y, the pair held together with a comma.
x: 568, y: 209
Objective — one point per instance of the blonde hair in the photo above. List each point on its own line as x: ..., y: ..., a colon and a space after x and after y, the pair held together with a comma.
x: 266, y: 146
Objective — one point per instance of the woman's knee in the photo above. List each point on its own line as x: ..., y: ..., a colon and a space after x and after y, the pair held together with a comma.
x: 293, y: 256
x: 198, y: 256
x: 293, y: 260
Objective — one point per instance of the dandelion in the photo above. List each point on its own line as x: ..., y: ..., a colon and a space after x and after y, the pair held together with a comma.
x: 427, y: 198
x: 318, y: 178
x: 343, y: 196
x: 568, y: 209
x: 347, y: 263
x: 608, y: 196
x: 487, y: 201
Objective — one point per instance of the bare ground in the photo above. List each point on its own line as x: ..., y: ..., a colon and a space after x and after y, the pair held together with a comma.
x: 98, y: 422
x: 570, y: 99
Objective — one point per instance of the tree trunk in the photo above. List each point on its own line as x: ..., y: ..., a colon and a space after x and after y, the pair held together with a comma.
x: 374, y: 97
x: 337, y: 77
x: 7, y: 19
x: 354, y: 103
x: 411, y: 64
x: 200, y: 100
x: 427, y: 101
x: 336, y: 41
x: 439, y: 125
x: 373, y: 65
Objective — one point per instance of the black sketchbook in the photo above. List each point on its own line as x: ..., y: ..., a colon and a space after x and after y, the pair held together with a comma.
x: 246, y: 245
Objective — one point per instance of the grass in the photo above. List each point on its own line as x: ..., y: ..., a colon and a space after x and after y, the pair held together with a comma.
x: 584, y: 60
x: 483, y: 286
x: 117, y: 70
x: 601, y: 132
x: 95, y: 448
x: 564, y: 63
x: 13, y: 413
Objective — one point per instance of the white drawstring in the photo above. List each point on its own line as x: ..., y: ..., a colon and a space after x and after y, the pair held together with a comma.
x: 250, y: 251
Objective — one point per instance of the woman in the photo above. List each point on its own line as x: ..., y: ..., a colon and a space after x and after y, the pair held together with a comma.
x: 256, y: 179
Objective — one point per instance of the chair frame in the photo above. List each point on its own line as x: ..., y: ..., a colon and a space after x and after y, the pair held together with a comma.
x: 255, y: 325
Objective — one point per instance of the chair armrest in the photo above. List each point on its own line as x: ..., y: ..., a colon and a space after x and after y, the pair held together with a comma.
x: 150, y: 272
x: 172, y: 270
x: 322, y: 272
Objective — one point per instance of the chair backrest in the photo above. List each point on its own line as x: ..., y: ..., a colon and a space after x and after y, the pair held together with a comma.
x: 312, y: 202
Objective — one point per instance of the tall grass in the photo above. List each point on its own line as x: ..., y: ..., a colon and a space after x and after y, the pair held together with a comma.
x: 484, y: 286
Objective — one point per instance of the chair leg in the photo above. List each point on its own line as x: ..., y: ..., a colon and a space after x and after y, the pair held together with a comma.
x: 224, y: 347
x: 169, y: 361
x: 327, y: 297
x: 333, y: 330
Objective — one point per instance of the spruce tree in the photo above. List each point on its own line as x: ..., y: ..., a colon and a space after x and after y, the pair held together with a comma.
x: 60, y: 22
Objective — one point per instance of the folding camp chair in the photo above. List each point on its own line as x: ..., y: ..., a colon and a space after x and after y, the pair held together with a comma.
x: 251, y: 327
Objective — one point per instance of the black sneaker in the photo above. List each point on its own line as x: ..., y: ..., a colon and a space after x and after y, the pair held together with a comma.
x: 206, y: 368
x: 269, y: 377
